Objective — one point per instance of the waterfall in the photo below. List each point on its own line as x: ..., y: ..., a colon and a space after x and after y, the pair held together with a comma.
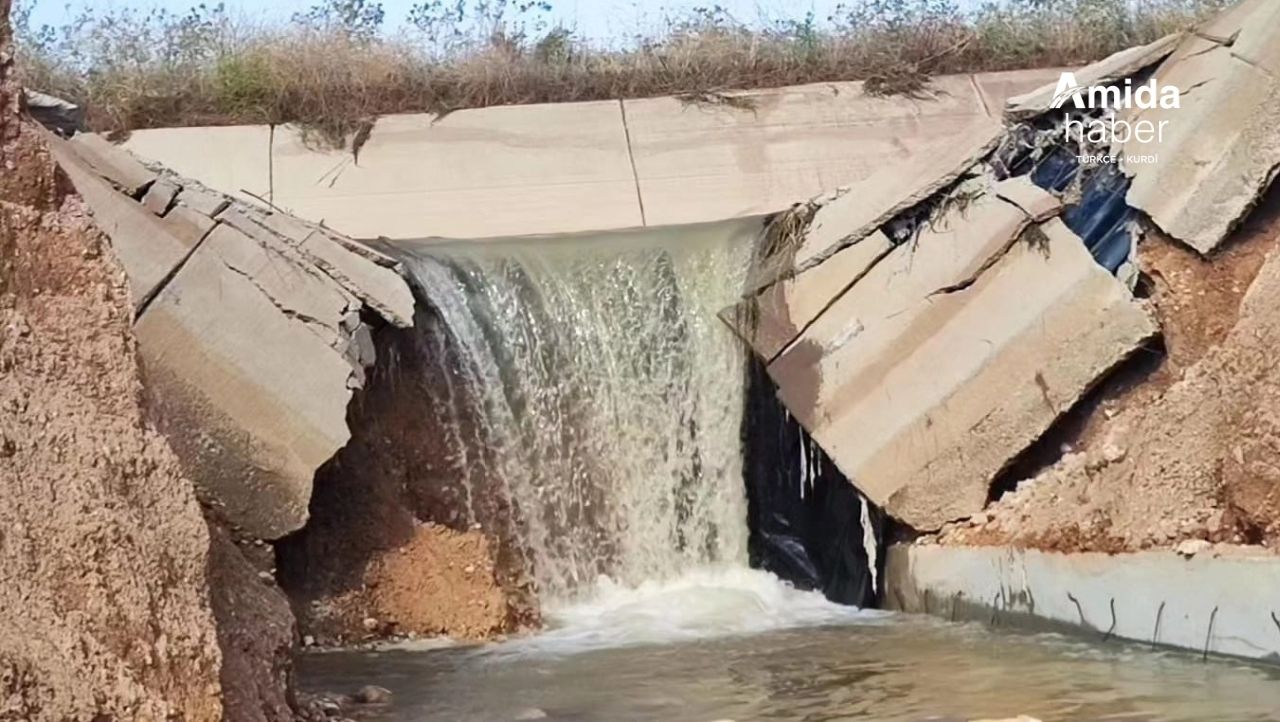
x: 589, y: 379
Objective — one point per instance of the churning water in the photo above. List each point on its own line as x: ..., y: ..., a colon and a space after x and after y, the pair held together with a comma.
x: 591, y: 378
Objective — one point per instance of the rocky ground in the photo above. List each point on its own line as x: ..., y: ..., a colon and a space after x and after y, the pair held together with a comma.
x: 1190, y: 450
x: 104, y: 609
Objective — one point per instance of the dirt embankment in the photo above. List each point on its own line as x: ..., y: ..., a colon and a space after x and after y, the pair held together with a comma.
x: 104, y: 607
x: 1191, y: 452
x: 396, y: 545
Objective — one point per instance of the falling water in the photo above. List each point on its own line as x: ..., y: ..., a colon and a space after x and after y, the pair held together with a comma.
x: 607, y: 396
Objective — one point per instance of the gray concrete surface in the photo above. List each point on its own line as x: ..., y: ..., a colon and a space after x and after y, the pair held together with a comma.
x: 570, y: 167
x: 1222, y: 600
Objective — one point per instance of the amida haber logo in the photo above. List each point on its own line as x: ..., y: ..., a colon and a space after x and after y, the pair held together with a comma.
x: 1093, y: 113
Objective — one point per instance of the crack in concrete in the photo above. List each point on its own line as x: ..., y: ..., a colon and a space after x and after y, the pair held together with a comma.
x: 308, y: 320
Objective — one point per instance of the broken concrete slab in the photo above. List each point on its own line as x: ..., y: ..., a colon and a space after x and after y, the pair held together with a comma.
x: 380, y: 287
x: 204, y: 202
x: 882, y: 305
x: 771, y: 319
x: 922, y: 381
x: 159, y: 197
x: 113, y: 163
x: 857, y: 210
x: 146, y: 248
x: 243, y: 367
x: 1220, y: 150
x: 252, y: 343
x: 1108, y: 70
x: 188, y: 226
x: 1152, y: 597
x: 58, y: 115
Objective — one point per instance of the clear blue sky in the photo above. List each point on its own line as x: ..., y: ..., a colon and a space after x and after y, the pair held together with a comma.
x: 599, y: 20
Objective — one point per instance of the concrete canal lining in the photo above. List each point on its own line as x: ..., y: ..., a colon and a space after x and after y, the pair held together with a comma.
x: 1221, y: 600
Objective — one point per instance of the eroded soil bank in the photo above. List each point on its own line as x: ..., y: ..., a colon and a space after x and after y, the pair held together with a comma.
x: 104, y: 609
x: 120, y: 601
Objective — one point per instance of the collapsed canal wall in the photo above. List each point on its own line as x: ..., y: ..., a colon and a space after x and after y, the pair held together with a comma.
x: 941, y: 332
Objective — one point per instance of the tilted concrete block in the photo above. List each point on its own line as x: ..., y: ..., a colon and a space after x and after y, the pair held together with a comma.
x: 241, y: 356
x: 856, y: 211
x: 1108, y: 70
x: 953, y: 355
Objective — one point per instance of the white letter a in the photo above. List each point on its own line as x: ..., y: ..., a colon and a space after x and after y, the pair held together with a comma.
x: 1067, y: 88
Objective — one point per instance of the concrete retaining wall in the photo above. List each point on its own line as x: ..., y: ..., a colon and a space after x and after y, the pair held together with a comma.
x: 568, y: 167
x: 1223, y: 600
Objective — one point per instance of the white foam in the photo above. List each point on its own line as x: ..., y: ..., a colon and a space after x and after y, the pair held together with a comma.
x: 703, y: 603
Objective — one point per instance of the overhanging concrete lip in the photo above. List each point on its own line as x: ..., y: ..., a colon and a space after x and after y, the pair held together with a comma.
x: 1221, y: 602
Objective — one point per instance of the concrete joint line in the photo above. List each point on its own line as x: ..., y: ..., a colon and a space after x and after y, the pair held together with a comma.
x: 982, y: 98
x: 631, y: 157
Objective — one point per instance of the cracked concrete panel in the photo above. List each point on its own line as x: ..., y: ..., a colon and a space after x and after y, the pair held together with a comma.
x: 935, y: 392
x: 301, y: 295
x: 773, y: 318
x: 347, y: 264
x: 381, y: 288
x: 239, y: 355
x: 863, y: 207
x: 147, y: 245
x: 1110, y: 69
x: 1220, y: 150
x: 851, y: 337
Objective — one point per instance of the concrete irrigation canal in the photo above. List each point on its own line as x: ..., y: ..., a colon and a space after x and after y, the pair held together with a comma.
x: 839, y: 407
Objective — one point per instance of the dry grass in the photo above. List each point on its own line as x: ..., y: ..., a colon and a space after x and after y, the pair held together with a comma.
x: 139, y: 70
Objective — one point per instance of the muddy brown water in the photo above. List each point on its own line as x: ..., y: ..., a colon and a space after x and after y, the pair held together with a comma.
x: 713, y: 651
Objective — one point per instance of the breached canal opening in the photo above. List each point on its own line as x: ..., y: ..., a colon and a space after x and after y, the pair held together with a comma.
x: 577, y: 403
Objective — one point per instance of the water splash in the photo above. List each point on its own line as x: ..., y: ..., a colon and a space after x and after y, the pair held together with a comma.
x: 602, y: 396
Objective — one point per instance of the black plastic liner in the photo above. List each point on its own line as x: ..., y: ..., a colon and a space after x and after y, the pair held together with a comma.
x: 805, y: 517
x: 1101, y: 217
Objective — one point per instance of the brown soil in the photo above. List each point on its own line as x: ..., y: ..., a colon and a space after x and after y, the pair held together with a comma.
x: 391, y: 503
x: 104, y: 608
x: 440, y: 582
x: 1195, y: 451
